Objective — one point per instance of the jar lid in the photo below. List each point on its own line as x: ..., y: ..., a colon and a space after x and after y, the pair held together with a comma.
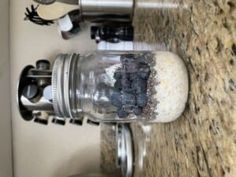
x: 63, y: 75
x: 125, y: 153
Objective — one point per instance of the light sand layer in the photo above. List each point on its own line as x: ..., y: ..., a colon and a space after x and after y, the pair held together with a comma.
x: 171, y: 88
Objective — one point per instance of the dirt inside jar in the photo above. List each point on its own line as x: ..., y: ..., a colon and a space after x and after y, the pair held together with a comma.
x: 134, y: 86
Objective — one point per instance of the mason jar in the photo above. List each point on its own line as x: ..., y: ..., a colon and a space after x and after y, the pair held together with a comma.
x: 113, y: 86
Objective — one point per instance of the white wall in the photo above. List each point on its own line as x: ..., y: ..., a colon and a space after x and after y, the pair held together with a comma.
x: 47, y: 151
x: 5, y: 118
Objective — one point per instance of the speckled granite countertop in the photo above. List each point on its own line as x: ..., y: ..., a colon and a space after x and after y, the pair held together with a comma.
x: 203, y: 141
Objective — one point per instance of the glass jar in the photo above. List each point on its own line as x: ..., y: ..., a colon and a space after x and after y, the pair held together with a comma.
x: 106, y: 86
x: 120, y: 86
